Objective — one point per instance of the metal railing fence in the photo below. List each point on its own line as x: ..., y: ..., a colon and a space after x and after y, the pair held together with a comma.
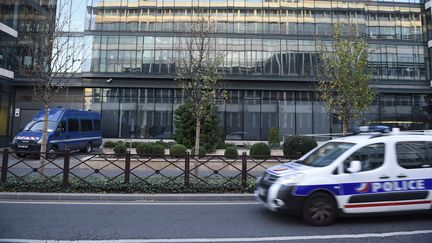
x: 127, y: 168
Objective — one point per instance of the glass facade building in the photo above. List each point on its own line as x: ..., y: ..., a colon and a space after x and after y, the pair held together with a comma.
x: 270, y: 49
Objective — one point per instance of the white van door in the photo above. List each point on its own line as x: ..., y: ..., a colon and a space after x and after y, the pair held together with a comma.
x: 414, y: 174
x: 367, y: 191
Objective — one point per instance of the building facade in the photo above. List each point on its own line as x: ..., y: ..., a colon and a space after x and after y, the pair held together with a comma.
x: 270, y: 49
x: 8, y: 39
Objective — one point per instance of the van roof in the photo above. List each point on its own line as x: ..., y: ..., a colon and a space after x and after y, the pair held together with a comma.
x: 376, y: 137
x: 56, y: 113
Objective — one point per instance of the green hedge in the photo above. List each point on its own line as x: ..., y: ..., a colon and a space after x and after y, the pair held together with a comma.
x: 231, y: 153
x: 110, y: 144
x: 178, y: 150
x: 145, y: 149
x: 260, y: 151
x: 158, y: 150
x: 202, y: 152
x: 230, y: 145
x: 296, y: 146
x: 119, y: 149
x: 152, y: 185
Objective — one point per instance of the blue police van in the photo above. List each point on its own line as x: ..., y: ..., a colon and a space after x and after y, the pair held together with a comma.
x: 67, y: 129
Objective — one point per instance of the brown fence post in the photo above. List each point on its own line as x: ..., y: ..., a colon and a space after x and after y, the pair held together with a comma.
x: 244, y: 171
x: 4, y: 165
x: 66, y: 169
x: 186, y: 170
x: 127, y: 167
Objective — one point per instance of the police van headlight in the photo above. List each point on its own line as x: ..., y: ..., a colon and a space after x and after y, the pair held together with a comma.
x: 290, y: 180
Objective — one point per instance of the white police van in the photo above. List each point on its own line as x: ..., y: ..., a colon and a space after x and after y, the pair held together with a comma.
x: 374, y: 171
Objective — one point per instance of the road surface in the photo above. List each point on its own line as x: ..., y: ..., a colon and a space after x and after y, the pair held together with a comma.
x: 193, y: 222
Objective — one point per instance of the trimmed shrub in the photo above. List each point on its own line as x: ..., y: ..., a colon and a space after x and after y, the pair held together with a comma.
x: 178, y: 150
x: 161, y: 142
x: 273, y: 138
x: 296, y: 146
x: 127, y: 144
x: 135, y: 144
x: 145, y: 149
x: 260, y: 151
x: 231, y: 153
x: 230, y: 145
x: 109, y: 144
x: 202, y: 152
x: 158, y: 150
x: 119, y: 149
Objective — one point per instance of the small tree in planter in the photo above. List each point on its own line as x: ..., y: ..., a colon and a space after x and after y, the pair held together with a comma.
x: 273, y: 138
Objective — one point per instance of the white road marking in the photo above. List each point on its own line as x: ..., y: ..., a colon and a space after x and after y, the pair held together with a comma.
x: 259, y: 239
x: 128, y: 203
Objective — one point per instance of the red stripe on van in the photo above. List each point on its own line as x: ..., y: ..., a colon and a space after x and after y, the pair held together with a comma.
x: 386, y: 204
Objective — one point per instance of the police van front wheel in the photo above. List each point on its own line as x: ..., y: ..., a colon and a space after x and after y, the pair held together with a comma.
x: 319, y: 209
x: 52, y: 152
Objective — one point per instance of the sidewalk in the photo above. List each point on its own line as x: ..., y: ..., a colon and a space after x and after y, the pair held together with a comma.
x: 125, y: 197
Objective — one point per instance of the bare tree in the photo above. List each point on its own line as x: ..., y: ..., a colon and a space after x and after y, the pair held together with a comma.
x: 51, y: 58
x: 198, y: 69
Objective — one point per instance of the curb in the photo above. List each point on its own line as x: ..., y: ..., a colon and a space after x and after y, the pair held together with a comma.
x: 125, y: 197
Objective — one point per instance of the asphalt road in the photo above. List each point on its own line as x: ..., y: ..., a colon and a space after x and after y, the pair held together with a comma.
x: 194, y: 222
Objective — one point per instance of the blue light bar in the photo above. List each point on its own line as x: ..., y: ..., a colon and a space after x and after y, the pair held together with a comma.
x: 368, y: 129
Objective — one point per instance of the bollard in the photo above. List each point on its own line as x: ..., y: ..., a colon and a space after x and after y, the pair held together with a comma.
x: 244, y: 171
x: 127, y: 167
x: 4, y: 168
x: 66, y: 163
x: 186, y: 170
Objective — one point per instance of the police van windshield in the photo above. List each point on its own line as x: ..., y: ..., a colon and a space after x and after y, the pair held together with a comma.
x: 36, y: 126
x: 326, y: 154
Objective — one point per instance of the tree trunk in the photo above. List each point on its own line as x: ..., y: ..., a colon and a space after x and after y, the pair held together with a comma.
x: 43, y: 148
x: 345, y: 127
x: 197, y: 137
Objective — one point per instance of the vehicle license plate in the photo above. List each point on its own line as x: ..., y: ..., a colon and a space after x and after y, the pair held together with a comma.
x: 22, y: 146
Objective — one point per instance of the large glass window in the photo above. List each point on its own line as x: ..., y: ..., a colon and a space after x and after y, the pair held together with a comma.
x: 371, y: 157
x: 414, y: 155
x: 234, y: 116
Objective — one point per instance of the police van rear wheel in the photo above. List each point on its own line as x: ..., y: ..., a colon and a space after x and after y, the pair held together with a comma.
x: 319, y: 209
x: 88, y: 148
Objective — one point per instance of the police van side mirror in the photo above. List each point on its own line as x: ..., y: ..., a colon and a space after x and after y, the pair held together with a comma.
x: 58, y: 131
x: 355, y: 166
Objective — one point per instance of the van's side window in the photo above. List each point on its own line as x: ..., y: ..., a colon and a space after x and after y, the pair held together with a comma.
x: 62, y: 126
x: 86, y: 125
x: 370, y: 157
x: 97, y: 125
x: 73, y: 125
x: 414, y: 155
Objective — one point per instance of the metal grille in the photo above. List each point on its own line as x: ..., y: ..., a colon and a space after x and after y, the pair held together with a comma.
x: 172, y: 174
